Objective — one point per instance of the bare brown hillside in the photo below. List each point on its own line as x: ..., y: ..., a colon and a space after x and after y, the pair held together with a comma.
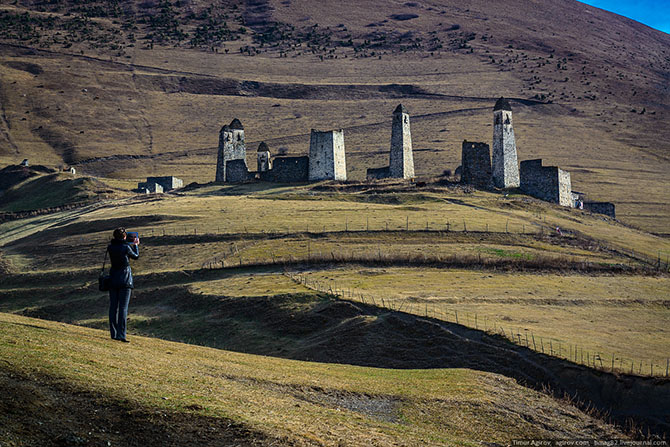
x: 129, y: 89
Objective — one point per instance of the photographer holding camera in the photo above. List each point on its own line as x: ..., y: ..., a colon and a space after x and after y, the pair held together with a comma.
x: 120, y: 281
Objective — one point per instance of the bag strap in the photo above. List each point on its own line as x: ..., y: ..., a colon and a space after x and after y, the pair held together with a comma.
x: 102, y: 272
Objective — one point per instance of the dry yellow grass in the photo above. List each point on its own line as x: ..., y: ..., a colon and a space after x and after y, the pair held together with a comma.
x: 621, y: 316
x: 284, y: 398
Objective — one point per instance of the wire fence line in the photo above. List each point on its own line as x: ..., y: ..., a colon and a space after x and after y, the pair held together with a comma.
x: 596, y: 359
x: 202, y: 233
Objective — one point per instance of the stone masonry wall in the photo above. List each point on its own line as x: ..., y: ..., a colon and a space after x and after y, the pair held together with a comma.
x: 505, y: 163
x: 237, y: 171
x: 401, y: 160
x: 606, y: 208
x: 326, y: 156
x: 287, y: 170
x: 546, y: 182
x: 231, y: 147
x: 565, y: 189
x: 476, y: 164
x: 168, y: 182
x: 377, y: 173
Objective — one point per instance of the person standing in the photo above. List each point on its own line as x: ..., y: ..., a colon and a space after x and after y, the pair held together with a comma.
x: 120, y: 281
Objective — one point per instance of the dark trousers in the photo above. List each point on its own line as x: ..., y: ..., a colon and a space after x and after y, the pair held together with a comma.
x: 118, y: 311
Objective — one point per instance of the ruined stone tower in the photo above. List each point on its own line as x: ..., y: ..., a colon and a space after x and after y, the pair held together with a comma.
x: 401, y: 163
x: 476, y: 164
x: 326, y: 155
x: 505, y: 165
x: 231, y: 147
x: 263, y: 161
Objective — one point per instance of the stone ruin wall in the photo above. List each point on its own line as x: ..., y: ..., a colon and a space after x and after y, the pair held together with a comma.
x: 476, y: 164
x: 377, y: 173
x: 505, y: 163
x: 237, y: 171
x: 546, y: 182
x: 401, y: 159
x: 326, y: 156
x: 287, y: 170
x: 606, y: 208
x: 231, y: 147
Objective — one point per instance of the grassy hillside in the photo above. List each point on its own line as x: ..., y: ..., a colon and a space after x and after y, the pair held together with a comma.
x: 392, y: 245
x: 266, y: 400
x: 52, y: 191
x: 213, y: 258
x: 110, y: 92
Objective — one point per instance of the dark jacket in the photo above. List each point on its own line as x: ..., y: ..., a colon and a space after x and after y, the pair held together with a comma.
x: 120, y: 275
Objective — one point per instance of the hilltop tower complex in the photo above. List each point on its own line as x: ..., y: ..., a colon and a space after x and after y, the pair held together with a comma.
x: 505, y: 165
x: 401, y: 160
x: 231, y: 147
x: 326, y: 155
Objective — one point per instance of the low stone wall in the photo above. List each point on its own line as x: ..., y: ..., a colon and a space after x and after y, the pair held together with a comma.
x: 287, y: 170
x: 378, y: 173
x: 606, y: 208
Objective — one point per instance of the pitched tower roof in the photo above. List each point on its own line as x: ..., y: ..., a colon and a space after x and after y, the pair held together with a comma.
x: 400, y: 109
x: 502, y: 104
x: 236, y: 125
x: 263, y: 147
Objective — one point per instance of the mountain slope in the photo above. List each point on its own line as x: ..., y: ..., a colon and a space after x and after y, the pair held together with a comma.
x: 145, y: 91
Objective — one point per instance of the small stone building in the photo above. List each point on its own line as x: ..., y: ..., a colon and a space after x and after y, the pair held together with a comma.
x: 548, y: 183
x: 326, y: 156
x: 505, y: 165
x: 25, y: 163
x: 149, y: 188
x: 167, y: 183
x: 476, y: 164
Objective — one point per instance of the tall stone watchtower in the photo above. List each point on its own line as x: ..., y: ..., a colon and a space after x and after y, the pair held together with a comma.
x: 231, y: 147
x: 505, y: 165
x: 263, y: 161
x: 326, y: 155
x: 401, y: 163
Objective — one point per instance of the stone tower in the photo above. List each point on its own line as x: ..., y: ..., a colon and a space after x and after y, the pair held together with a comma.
x: 326, y: 155
x: 505, y: 165
x: 401, y: 163
x: 231, y: 147
x: 476, y: 164
x: 263, y: 158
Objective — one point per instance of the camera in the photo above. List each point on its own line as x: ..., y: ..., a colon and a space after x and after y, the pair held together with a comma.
x: 132, y: 236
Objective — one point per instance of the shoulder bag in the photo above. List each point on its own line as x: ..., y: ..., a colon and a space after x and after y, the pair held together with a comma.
x: 103, y: 280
